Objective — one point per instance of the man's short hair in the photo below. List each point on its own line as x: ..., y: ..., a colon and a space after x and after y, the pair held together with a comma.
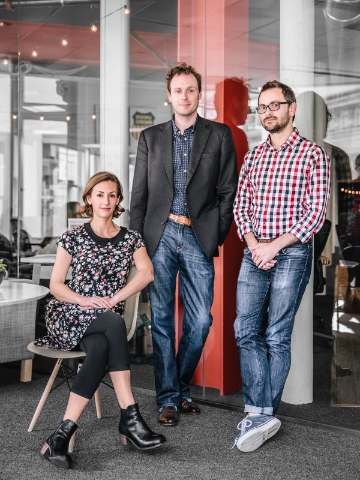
x: 287, y: 91
x: 181, y: 68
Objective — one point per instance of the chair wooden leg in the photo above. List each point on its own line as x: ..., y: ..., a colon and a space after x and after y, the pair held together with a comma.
x: 26, y: 370
x: 97, y: 403
x: 71, y: 443
x: 45, y: 395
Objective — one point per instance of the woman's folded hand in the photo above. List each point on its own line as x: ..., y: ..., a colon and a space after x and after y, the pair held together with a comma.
x: 89, y: 303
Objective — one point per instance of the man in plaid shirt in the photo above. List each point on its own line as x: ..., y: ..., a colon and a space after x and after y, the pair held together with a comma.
x: 283, y: 191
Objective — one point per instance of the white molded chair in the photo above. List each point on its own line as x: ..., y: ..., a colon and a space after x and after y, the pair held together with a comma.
x: 130, y: 317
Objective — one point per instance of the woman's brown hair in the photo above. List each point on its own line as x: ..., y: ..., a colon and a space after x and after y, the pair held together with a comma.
x: 99, y: 177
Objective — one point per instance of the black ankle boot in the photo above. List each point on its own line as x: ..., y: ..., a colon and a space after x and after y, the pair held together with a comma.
x: 55, y: 449
x: 133, y: 430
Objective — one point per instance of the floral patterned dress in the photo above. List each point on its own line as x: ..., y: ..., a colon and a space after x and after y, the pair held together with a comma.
x: 100, y: 266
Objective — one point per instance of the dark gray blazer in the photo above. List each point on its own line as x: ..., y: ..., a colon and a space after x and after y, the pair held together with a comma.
x: 210, y: 188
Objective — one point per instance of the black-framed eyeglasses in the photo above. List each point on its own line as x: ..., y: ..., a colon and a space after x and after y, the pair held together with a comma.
x: 273, y: 106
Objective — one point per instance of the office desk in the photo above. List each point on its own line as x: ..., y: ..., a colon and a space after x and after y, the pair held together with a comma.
x: 43, y: 265
x: 18, y: 302
x: 48, y: 259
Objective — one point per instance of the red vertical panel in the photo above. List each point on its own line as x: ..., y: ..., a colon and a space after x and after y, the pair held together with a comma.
x: 213, y: 37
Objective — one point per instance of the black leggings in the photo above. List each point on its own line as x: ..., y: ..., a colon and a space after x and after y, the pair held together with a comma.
x: 105, y: 344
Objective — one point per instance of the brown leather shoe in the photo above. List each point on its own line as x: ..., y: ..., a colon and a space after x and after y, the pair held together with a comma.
x: 189, y: 407
x: 169, y: 417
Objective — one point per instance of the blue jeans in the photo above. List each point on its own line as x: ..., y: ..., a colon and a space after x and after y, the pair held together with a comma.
x: 179, y: 252
x: 265, y: 358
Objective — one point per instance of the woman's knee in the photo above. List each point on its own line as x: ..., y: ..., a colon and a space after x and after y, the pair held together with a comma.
x: 95, y: 344
x: 116, y: 329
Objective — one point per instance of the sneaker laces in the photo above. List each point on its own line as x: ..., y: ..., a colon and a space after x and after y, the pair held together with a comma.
x: 241, y: 427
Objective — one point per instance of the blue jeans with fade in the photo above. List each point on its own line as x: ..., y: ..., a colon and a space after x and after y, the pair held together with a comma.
x: 265, y: 359
x: 179, y: 252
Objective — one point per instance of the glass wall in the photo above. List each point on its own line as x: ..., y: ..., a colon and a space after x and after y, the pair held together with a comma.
x: 230, y: 41
x: 56, y: 119
x: 50, y: 83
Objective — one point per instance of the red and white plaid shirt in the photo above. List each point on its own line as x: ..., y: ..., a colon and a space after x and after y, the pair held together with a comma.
x: 283, y: 190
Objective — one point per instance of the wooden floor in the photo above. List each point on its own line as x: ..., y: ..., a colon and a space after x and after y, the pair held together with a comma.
x: 345, y: 370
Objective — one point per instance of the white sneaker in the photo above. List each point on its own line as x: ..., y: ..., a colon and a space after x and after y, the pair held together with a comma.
x: 254, y: 431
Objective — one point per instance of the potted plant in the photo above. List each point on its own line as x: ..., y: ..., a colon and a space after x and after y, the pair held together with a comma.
x: 2, y: 270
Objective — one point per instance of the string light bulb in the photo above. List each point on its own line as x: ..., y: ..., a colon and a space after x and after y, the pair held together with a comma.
x: 64, y: 42
x: 14, y: 116
x: 126, y: 10
x: 34, y: 53
x: 93, y: 116
x: 68, y: 118
x: 94, y: 28
x: 350, y: 192
x: 5, y: 61
x: 166, y: 103
x: 41, y: 117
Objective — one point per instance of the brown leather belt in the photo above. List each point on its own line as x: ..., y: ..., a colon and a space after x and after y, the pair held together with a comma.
x: 179, y: 219
x: 265, y: 240
x: 269, y: 240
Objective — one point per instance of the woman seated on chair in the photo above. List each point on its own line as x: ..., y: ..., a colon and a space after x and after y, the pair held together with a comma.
x: 86, y: 313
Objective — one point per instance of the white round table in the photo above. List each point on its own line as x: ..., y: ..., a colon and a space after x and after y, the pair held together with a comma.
x: 18, y: 301
x: 19, y: 292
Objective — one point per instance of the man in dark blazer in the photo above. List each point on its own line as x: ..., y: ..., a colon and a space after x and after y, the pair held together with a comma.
x: 184, y: 186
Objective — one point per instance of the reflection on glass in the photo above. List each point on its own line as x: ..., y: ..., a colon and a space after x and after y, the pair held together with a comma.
x: 231, y: 103
x: 49, y: 133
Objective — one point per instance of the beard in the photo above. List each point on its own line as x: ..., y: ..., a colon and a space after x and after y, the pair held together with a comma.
x: 279, y: 126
